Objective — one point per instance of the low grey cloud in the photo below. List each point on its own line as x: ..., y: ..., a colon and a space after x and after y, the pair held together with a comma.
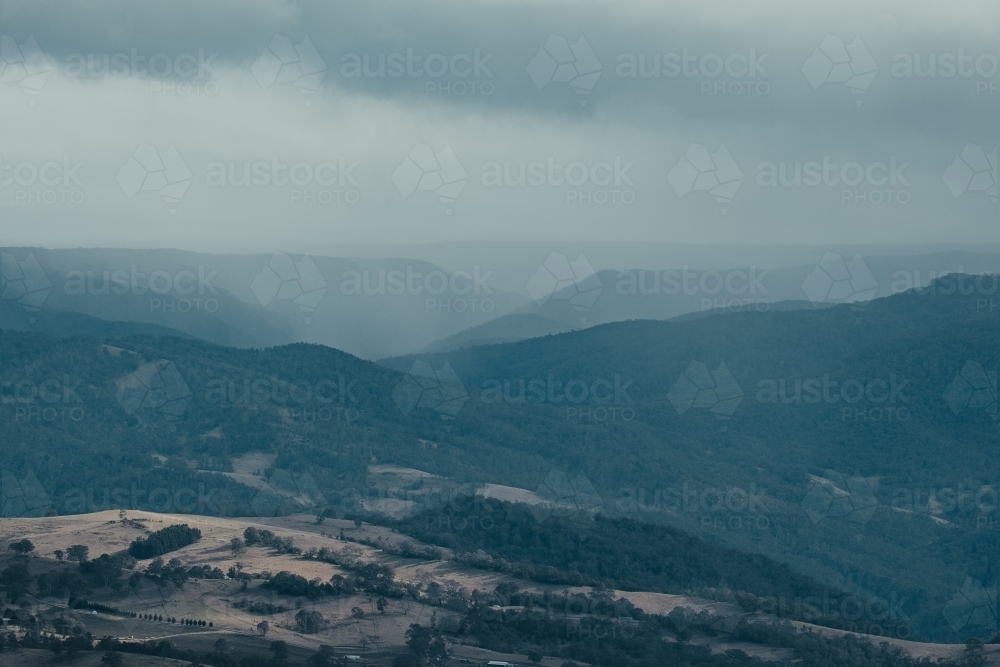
x: 860, y: 123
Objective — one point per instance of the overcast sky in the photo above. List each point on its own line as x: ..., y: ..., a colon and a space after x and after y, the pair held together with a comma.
x: 672, y: 122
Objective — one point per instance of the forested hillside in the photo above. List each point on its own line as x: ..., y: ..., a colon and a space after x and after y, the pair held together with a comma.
x: 855, y: 444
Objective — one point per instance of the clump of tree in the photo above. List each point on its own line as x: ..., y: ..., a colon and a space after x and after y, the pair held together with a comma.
x: 289, y: 583
x: 59, y: 584
x: 15, y: 579
x: 205, y: 572
x: 22, y: 547
x: 368, y: 577
x: 309, y: 622
x: 424, y: 645
x: 258, y: 607
x: 324, y: 657
x: 164, y: 541
x: 112, y: 659
x: 265, y: 538
x: 78, y: 553
x: 107, y: 570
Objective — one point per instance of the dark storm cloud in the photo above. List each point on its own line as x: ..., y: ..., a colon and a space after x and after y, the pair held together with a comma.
x: 723, y: 67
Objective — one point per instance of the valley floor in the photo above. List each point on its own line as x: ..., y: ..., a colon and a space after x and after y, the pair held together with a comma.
x: 354, y: 626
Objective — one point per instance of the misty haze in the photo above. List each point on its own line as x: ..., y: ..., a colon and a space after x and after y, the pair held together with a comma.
x: 569, y: 334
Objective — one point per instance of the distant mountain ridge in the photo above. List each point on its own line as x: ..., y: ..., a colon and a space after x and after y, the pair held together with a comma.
x: 377, y: 308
